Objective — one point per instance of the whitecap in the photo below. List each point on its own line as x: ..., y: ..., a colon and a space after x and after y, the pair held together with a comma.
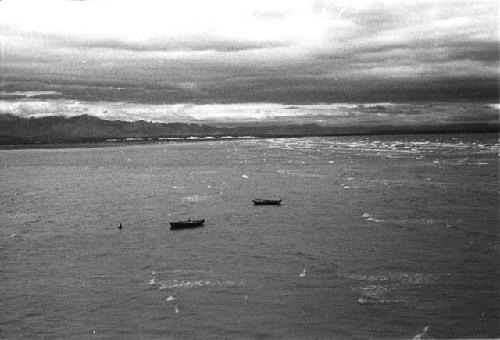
x: 171, y: 298
x: 376, y: 294
x: 194, y: 198
x: 300, y: 174
x: 366, y: 301
x: 188, y: 284
x: 402, y: 278
x: 423, y: 335
x: 373, y: 219
x: 244, y: 176
x: 303, y: 273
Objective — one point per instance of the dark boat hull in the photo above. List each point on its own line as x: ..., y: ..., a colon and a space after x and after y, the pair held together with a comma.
x: 266, y: 202
x: 186, y: 224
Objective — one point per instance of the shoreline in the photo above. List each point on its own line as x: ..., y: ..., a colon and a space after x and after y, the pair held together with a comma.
x: 119, y: 142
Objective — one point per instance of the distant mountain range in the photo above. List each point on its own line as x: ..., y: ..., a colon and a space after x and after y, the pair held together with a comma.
x: 88, y: 129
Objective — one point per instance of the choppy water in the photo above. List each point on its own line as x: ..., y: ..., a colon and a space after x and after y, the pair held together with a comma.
x: 377, y: 237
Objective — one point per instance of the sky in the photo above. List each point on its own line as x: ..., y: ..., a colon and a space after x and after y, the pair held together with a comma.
x: 201, y: 60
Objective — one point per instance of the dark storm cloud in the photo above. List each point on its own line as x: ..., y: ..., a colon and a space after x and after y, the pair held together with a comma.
x: 484, y: 51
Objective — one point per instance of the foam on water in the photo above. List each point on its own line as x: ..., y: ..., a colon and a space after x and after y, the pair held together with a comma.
x: 193, y: 279
x: 390, y: 288
x: 303, y: 273
x: 370, y: 218
x: 187, y: 284
x: 403, y: 278
x: 388, y: 149
x: 195, y: 198
x: 376, y: 294
x: 424, y: 334
x: 299, y: 174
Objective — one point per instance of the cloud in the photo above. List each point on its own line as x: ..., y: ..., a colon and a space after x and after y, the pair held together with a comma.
x: 198, y: 84
x: 264, y: 48
x: 200, y: 45
x: 156, y: 25
x: 340, y: 114
x: 29, y: 94
x: 487, y: 52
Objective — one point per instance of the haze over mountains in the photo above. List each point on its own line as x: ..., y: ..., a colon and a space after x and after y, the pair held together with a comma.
x: 81, y: 129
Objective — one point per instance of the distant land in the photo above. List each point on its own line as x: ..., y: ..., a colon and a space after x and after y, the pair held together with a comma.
x: 16, y: 130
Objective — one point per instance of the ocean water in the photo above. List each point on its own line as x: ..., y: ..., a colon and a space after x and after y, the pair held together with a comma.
x: 377, y: 237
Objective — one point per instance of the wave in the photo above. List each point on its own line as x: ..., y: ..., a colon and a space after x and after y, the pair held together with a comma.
x: 194, y: 279
x: 299, y: 174
x: 195, y: 198
x: 370, y: 218
x: 424, y: 334
x: 376, y: 294
x: 187, y: 284
x: 369, y: 147
x: 389, y: 288
x: 401, y: 278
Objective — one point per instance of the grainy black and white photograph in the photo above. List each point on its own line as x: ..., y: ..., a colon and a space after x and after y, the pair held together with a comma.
x: 249, y: 169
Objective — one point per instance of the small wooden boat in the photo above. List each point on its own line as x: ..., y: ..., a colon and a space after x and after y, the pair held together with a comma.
x: 186, y: 224
x: 259, y: 201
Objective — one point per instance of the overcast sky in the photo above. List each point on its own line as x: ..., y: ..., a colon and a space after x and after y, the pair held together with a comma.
x: 255, y: 51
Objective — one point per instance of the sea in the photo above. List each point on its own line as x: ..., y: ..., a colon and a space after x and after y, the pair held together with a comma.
x: 377, y: 237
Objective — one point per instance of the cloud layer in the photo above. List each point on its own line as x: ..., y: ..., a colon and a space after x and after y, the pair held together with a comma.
x: 259, y: 50
x: 272, y: 30
x: 339, y: 114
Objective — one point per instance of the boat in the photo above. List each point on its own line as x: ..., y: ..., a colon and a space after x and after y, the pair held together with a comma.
x: 259, y: 201
x: 186, y: 224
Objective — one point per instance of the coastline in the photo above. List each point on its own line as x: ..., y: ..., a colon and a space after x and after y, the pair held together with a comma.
x: 119, y: 142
